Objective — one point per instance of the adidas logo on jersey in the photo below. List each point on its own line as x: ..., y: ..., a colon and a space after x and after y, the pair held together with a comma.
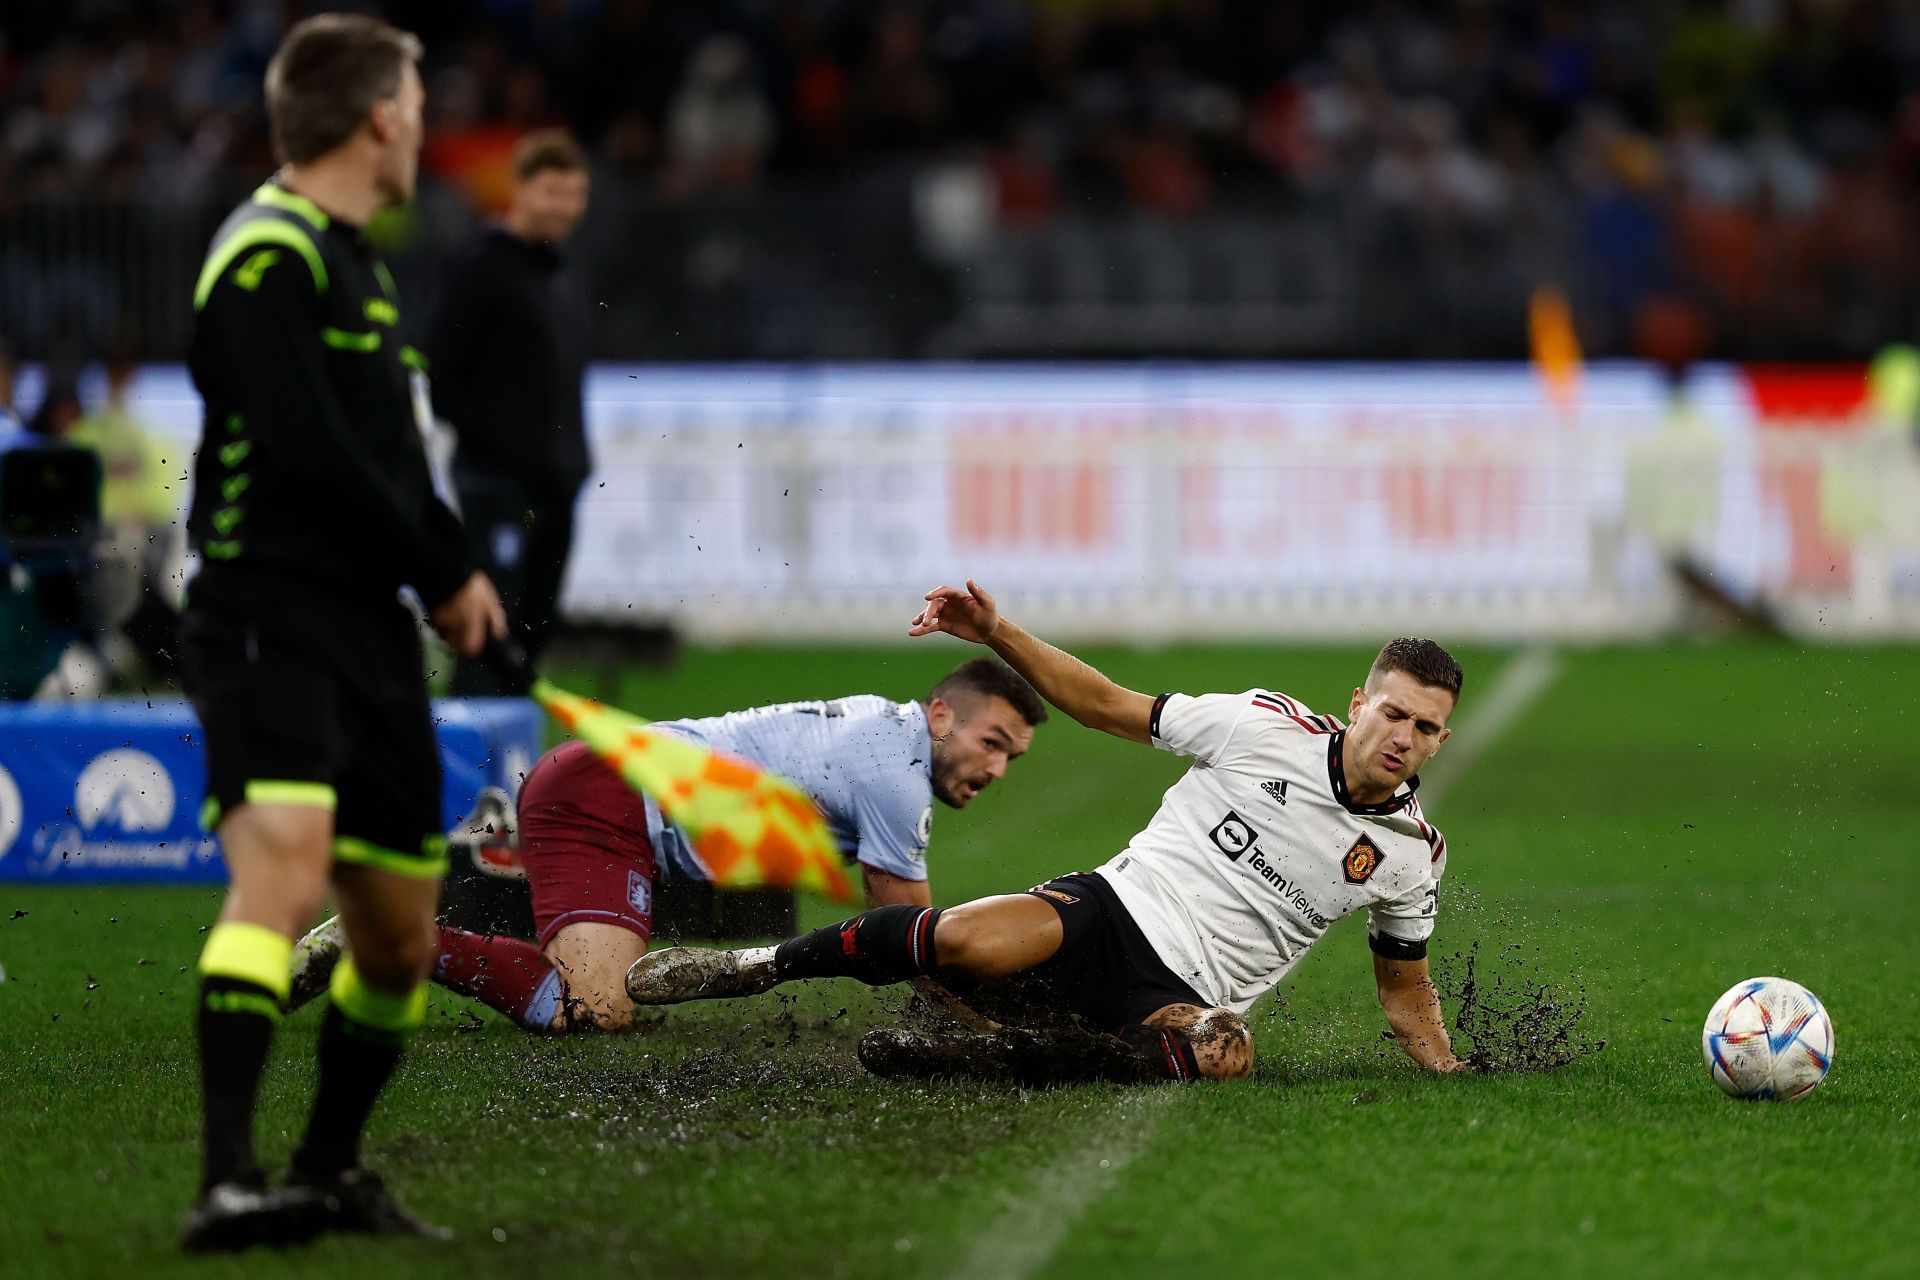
x: 1277, y: 788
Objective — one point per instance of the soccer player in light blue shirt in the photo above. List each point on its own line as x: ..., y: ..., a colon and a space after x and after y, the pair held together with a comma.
x: 867, y: 761
x: 593, y: 848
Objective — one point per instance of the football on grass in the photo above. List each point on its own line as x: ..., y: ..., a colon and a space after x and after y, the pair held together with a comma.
x: 1768, y: 1038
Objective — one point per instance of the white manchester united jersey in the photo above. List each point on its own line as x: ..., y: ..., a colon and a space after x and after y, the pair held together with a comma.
x: 1257, y: 849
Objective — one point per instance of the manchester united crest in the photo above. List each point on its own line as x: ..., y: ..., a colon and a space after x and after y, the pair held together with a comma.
x: 1360, y: 860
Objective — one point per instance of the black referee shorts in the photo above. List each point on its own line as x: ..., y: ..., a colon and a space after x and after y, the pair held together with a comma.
x: 325, y: 705
x: 1105, y: 970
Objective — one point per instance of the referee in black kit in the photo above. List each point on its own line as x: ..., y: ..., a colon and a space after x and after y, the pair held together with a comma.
x: 312, y: 508
x: 506, y: 338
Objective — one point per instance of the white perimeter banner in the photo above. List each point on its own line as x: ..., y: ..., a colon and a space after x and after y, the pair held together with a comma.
x: 1152, y: 502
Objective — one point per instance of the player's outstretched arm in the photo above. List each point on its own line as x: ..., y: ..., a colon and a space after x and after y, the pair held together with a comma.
x: 1062, y: 679
x: 1412, y: 1007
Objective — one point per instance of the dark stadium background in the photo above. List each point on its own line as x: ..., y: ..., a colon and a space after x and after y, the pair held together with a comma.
x: 824, y: 179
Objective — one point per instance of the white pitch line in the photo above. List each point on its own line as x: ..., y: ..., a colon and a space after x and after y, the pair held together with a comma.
x: 1022, y: 1239
x: 1520, y: 682
x: 1025, y: 1234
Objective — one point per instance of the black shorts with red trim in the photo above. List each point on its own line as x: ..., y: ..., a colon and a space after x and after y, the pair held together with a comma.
x: 1105, y: 970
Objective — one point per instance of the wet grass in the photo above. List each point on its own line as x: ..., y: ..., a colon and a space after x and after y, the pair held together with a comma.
x: 1663, y: 822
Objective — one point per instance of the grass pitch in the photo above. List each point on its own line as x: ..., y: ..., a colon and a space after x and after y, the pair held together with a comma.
x: 1658, y: 824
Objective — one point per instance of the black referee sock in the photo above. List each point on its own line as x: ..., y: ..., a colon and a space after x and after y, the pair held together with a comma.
x: 886, y: 944
x: 356, y: 1061
x: 234, y: 1028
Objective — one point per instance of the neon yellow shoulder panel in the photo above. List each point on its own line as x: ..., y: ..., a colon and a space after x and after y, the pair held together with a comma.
x: 251, y: 234
x: 297, y: 205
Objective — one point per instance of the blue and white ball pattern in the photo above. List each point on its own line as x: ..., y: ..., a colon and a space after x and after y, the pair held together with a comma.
x: 1768, y: 1038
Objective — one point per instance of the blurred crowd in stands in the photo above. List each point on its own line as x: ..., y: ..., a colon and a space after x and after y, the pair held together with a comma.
x: 1720, y: 170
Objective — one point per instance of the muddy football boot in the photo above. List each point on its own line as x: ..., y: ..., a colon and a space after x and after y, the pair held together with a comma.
x: 679, y: 974
x: 314, y: 958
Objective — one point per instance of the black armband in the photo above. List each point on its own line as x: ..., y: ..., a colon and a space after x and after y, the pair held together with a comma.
x: 1391, y: 948
x: 1153, y: 721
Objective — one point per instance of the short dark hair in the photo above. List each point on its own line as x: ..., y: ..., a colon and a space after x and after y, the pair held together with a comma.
x: 990, y: 677
x: 326, y: 76
x: 1424, y: 660
x: 545, y: 149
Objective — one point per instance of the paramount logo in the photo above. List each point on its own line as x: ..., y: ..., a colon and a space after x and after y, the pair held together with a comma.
x: 11, y: 813
x: 124, y: 805
x: 64, y: 847
x: 124, y: 788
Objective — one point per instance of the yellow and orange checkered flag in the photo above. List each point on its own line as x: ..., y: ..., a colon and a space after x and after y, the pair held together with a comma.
x: 750, y: 827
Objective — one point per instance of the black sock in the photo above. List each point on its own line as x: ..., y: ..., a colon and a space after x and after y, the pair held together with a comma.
x: 356, y: 1061
x: 886, y: 944
x: 234, y: 1026
x: 1167, y: 1050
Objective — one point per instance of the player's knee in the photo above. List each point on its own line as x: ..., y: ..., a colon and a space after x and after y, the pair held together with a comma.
x: 1222, y: 1045
x: 1221, y: 1041
x: 592, y: 1015
x: 606, y: 1018
x: 954, y: 941
x: 962, y: 942
x: 589, y: 1004
x: 592, y: 960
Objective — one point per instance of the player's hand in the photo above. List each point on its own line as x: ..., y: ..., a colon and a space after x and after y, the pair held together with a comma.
x: 469, y: 616
x: 970, y: 614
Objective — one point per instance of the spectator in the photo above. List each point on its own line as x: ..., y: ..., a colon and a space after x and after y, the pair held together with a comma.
x: 139, y: 519
x: 1760, y: 123
x: 137, y: 487
x: 9, y: 420
x: 60, y: 406
x: 48, y: 497
x: 719, y: 127
x: 506, y: 350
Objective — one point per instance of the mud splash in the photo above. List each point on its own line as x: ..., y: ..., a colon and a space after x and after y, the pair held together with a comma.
x: 1506, y: 1021
x: 1037, y: 1044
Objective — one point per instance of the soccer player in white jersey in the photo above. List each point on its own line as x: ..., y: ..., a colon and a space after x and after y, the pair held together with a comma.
x: 593, y: 848
x: 1286, y: 822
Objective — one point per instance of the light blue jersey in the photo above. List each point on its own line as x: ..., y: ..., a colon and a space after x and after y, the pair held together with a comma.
x: 866, y: 761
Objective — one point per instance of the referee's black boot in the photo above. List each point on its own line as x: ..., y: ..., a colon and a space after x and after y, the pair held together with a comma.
x: 236, y: 1215
x: 358, y: 1202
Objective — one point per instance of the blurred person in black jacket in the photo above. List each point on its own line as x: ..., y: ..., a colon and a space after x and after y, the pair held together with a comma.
x: 505, y: 347
x: 49, y: 509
